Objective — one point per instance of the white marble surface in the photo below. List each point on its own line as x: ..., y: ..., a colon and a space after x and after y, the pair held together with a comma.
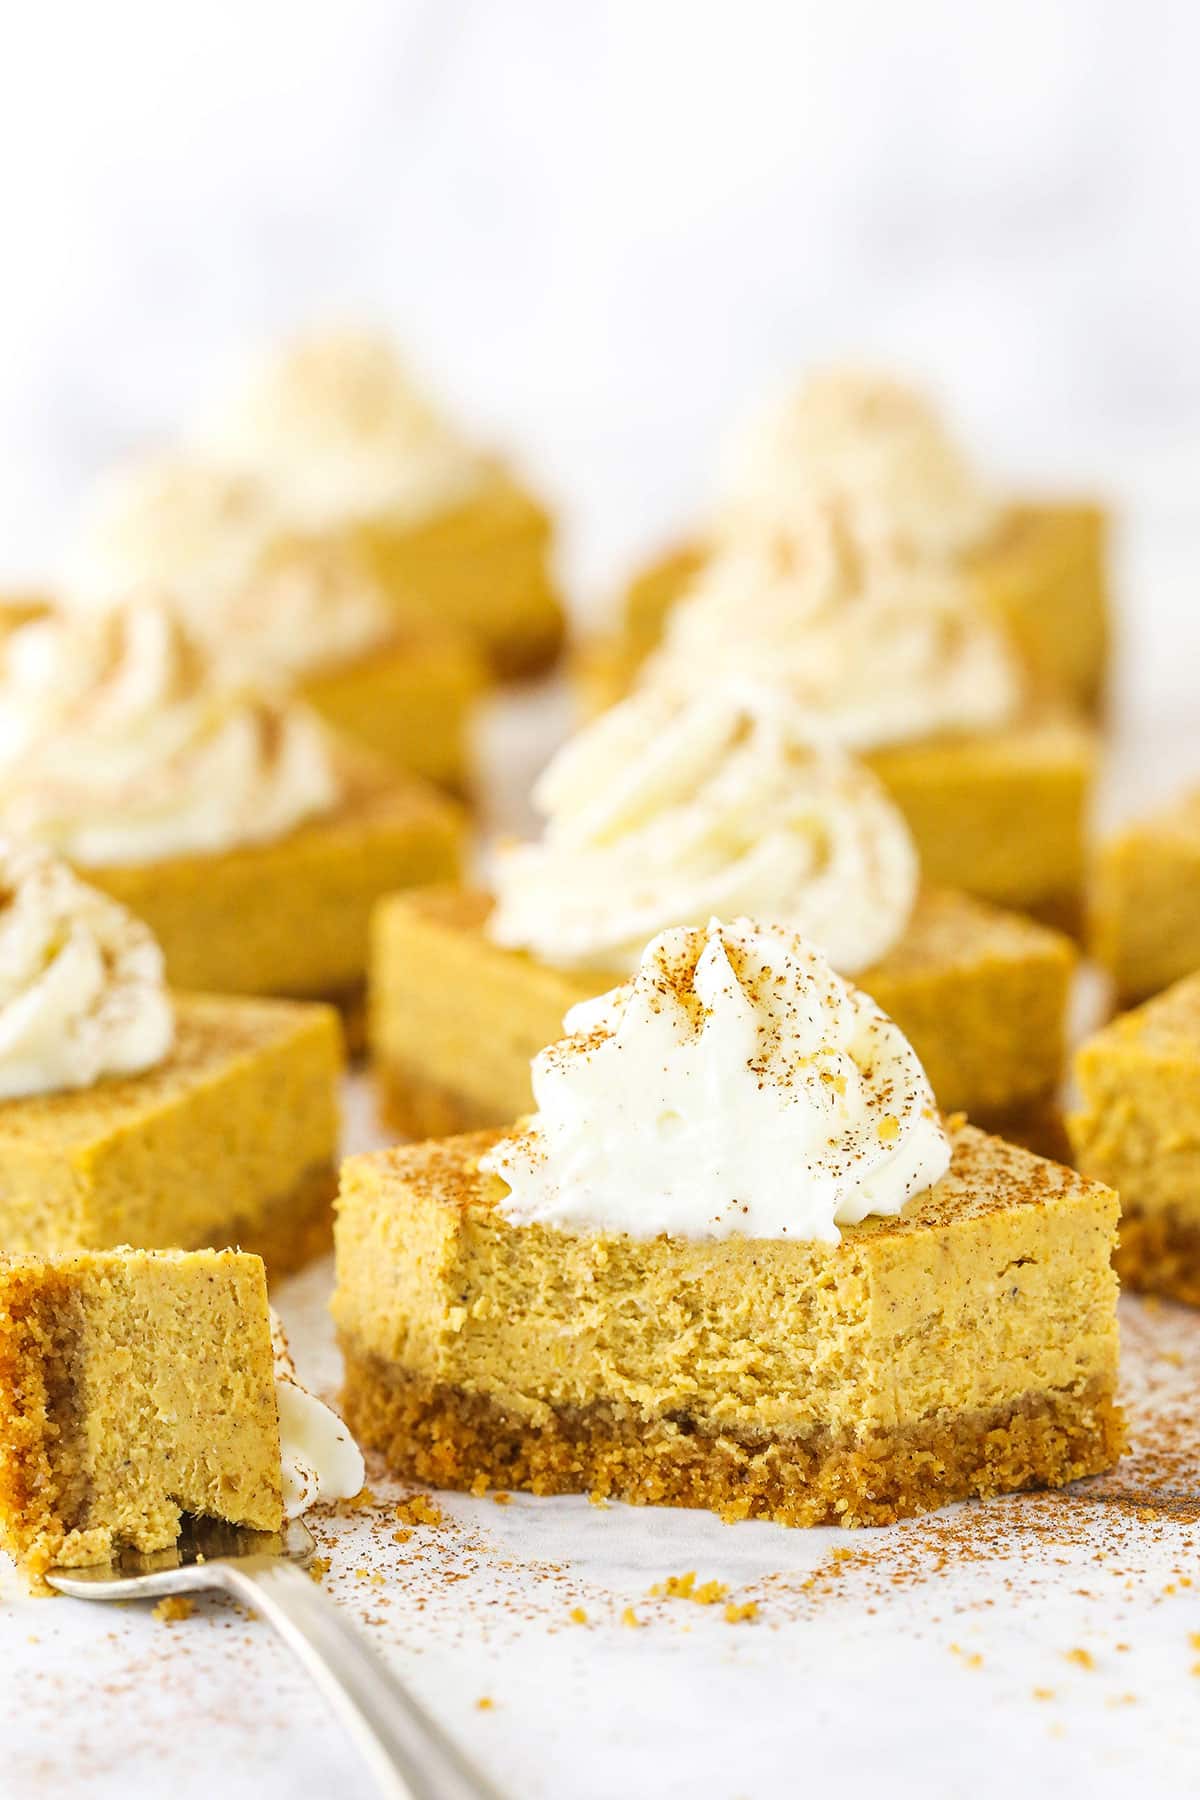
x: 1031, y: 1644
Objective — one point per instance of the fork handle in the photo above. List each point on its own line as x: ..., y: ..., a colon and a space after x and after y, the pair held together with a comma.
x: 409, y: 1754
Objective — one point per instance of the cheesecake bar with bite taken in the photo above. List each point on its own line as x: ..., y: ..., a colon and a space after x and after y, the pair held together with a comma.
x: 137, y: 1386
x: 666, y: 811
x: 252, y: 841
x: 1037, y: 566
x: 129, y: 1115
x: 335, y: 426
x: 734, y: 1260
x: 1138, y: 1128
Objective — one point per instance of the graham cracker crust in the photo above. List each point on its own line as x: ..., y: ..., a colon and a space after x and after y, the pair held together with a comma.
x: 414, y: 1107
x: 447, y: 1437
x: 1157, y: 1255
x: 292, y: 1230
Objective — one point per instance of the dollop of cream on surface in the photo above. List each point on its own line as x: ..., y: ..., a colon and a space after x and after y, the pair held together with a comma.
x: 82, y: 991
x: 877, y: 647
x: 336, y: 426
x: 667, y: 810
x: 119, y: 743
x: 321, y: 1461
x: 736, y: 1087
x: 875, y: 444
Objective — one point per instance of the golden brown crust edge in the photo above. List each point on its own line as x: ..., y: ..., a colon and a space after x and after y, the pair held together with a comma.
x: 30, y: 1529
x: 435, y: 1433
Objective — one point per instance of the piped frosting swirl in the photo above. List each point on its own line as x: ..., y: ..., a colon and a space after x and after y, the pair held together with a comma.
x: 878, y: 647
x: 335, y: 425
x: 873, y: 444
x: 119, y: 743
x: 667, y: 810
x: 82, y: 992
x: 736, y: 1087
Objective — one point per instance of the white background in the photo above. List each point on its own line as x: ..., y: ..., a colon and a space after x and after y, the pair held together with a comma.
x: 601, y: 229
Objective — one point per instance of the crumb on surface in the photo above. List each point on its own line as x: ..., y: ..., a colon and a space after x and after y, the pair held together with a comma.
x: 630, y: 1618
x: 419, y: 1509
x: 1083, y: 1659
x: 578, y: 1616
x: 736, y: 1614
x: 174, y: 1608
x: 686, y: 1587
x: 971, y: 1659
x: 485, y: 1703
x: 318, y: 1567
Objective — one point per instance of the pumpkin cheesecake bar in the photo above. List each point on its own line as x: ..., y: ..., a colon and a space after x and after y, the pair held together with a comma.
x: 251, y: 841
x: 333, y: 424
x: 1138, y: 1129
x: 1039, y: 567
x: 278, y: 609
x: 892, y: 660
x: 668, y: 810
x: 455, y: 1017
x: 128, y: 1115
x: 734, y: 1261
x: 137, y: 1386
x: 1145, y: 901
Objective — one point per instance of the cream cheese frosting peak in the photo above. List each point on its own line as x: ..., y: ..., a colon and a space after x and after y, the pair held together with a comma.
x: 82, y: 992
x: 869, y: 441
x: 120, y: 744
x: 736, y: 1087
x: 337, y: 427
x: 668, y: 809
x: 877, y: 646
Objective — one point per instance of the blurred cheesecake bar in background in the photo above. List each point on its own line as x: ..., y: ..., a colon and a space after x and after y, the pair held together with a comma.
x: 137, y: 1386
x: 250, y: 839
x: 734, y: 1260
x: 333, y: 424
x: 1145, y: 900
x: 1138, y: 1129
x: 1039, y: 568
x: 279, y: 609
x: 892, y: 658
x: 668, y: 810
x: 131, y: 1115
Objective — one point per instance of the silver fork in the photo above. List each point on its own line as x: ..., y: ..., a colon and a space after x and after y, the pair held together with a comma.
x: 410, y: 1755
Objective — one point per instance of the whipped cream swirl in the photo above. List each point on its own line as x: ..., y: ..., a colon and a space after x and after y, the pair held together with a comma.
x: 736, y: 1087
x: 877, y: 647
x: 310, y: 606
x: 335, y: 425
x: 119, y: 745
x: 321, y: 1461
x: 667, y: 810
x: 81, y: 981
x: 175, y: 524
x: 870, y: 442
